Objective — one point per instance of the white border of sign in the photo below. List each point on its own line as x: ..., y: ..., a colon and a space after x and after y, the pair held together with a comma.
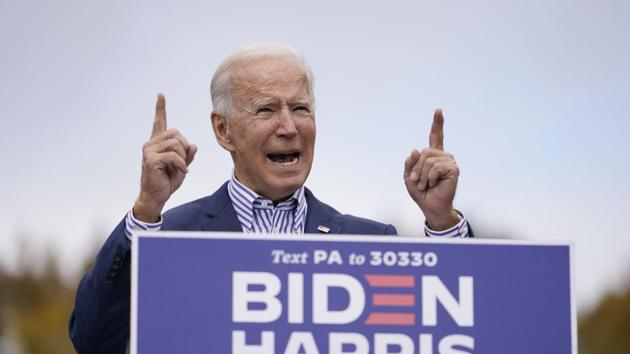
x: 133, y: 344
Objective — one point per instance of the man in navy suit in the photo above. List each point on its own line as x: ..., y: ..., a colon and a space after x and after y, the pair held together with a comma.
x: 264, y: 116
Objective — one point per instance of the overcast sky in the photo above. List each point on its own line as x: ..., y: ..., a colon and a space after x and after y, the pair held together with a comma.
x: 535, y: 96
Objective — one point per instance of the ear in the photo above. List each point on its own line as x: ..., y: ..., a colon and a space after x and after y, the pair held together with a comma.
x: 221, y: 128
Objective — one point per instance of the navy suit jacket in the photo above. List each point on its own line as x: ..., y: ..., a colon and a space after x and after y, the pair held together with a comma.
x: 100, y: 320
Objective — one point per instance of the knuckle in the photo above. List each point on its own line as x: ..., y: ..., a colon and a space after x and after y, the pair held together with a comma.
x: 174, y: 145
x: 148, y: 156
x: 171, y: 143
x: 148, y: 161
x: 177, y: 142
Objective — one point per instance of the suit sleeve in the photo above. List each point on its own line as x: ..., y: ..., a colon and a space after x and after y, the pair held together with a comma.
x: 99, y: 322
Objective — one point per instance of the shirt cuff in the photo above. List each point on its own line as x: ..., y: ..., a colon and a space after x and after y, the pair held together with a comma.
x: 132, y: 224
x: 459, y: 230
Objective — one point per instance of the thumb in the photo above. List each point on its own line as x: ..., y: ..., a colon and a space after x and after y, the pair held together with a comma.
x: 190, y: 153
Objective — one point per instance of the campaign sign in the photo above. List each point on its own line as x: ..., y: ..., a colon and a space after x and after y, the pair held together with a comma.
x: 259, y: 294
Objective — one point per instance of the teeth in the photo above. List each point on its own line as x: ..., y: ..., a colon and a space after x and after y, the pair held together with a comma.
x: 293, y: 161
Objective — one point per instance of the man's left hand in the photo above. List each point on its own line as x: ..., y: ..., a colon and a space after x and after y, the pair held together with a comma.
x: 431, y: 178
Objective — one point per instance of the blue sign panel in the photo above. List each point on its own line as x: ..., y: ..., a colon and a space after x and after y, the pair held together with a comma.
x: 233, y: 293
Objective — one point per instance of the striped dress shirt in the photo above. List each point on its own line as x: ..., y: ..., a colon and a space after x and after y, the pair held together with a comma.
x: 257, y: 214
x: 459, y: 230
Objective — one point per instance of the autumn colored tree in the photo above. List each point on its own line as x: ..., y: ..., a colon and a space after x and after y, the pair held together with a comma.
x: 606, y: 329
x: 35, y: 306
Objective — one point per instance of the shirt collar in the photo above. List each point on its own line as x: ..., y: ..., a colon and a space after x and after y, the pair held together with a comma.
x: 246, y: 200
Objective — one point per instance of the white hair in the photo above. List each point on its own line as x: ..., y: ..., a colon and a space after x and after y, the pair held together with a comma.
x: 221, y: 84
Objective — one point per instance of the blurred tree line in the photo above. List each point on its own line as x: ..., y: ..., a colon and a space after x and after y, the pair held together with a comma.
x: 606, y: 329
x: 35, y: 306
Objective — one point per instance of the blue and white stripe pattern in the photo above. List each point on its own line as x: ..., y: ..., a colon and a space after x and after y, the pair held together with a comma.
x: 459, y: 230
x: 257, y: 214
x: 132, y: 224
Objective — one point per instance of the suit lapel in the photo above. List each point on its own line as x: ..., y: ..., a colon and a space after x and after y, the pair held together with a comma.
x: 319, y: 217
x: 220, y: 214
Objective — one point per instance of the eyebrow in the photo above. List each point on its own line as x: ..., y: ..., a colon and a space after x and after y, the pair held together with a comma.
x: 302, y: 101
x: 268, y: 101
x: 263, y: 101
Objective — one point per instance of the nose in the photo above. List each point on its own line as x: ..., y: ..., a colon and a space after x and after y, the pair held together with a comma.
x: 286, y: 125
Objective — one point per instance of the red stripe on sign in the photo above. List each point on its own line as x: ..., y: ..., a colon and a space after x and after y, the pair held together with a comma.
x: 380, y: 318
x: 393, y: 300
x: 397, y: 281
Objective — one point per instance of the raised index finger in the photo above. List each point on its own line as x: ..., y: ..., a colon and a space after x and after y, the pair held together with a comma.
x: 159, y: 123
x: 436, y: 137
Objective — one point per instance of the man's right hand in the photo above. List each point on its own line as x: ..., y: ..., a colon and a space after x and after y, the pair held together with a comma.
x: 165, y: 160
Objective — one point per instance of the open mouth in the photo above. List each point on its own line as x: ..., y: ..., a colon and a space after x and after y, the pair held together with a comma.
x: 285, y: 159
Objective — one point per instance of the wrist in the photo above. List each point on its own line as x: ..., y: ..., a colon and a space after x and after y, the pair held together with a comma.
x: 147, y: 211
x: 442, y: 221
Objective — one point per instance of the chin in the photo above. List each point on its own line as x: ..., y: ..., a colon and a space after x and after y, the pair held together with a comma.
x: 287, y: 185
x: 292, y: 183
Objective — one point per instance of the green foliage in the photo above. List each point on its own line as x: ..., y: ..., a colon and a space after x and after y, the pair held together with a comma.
x: 606, y: 330
x: 34, y: 308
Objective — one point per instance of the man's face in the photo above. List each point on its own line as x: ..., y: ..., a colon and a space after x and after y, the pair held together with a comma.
x: 272, y: 129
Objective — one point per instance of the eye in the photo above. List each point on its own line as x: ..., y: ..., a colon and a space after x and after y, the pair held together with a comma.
x: 301, y: 109
x: 263, y: 110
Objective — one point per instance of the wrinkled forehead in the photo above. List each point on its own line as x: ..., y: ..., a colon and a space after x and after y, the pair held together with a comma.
x: 275, y: 77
